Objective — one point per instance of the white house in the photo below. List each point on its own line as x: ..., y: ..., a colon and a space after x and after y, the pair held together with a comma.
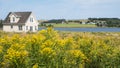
x: 20, y: 22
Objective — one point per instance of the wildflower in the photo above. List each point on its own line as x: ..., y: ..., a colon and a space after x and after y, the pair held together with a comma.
x: 42, y: 31
x: 47, y: 43
x: 47, y: 51
x: 35, y: 66
x: 1, y: 48
x: 77, y: 54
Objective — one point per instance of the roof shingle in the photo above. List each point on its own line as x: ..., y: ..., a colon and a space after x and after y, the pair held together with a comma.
x: 23, y: 17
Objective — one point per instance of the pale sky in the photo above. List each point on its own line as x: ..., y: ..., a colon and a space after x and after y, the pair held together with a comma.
x: 59, y: 9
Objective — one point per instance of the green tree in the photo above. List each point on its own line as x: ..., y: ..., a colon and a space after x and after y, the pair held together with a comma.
x: 1, y: 25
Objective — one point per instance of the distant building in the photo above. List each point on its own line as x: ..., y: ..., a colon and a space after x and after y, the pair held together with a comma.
x: 20, y: 22
x: 84, y: 21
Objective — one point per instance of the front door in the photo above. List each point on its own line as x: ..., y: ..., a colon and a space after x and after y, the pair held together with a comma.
x: 31, y: 28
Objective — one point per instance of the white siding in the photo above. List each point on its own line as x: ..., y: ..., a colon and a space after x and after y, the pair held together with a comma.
x: 7, y: 28
x: 31, y: 24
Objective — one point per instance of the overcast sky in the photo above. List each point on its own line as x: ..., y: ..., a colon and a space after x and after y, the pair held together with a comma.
x: 59, y: 9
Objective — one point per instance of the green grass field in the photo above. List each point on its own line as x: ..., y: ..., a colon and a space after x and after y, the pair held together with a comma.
x: 72, y: 25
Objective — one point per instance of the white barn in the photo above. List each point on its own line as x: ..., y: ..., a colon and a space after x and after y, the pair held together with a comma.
x: 20, y: 22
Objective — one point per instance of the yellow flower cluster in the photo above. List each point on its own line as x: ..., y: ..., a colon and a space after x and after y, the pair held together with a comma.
x: 77, y: 54
x: 47, y: 51
x: 11, y: 54
x: 51, y: 49
x: 1, y: 48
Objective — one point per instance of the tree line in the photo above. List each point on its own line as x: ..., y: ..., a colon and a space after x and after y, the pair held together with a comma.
x: 1, y: 25
x: 108, y: 22
x: 55, y: 21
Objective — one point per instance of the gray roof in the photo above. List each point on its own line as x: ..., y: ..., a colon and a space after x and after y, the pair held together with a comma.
x: 23, y: 17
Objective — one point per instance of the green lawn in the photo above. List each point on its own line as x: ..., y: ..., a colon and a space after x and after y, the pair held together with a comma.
x: 74, y: 25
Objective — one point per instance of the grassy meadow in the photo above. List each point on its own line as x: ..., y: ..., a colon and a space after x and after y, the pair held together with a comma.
x: 74, y: 25
x: 53, y: 49
x: 71, y: 25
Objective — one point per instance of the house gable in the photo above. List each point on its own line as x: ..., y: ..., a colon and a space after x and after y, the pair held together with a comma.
x: 31, y: 23
x: 31, y: 19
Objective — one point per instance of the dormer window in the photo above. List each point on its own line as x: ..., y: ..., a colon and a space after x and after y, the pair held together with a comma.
x: 31, y: 19
x: 13, y: 19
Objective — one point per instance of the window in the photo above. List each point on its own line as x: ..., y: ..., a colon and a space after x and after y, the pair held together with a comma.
x: 35, y: 27
x: 11, y: 26
x: 26, y: 27
x: 20, y: 27
x: 31, y: 19
x: 31, y: 28
x: 13, y: 19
